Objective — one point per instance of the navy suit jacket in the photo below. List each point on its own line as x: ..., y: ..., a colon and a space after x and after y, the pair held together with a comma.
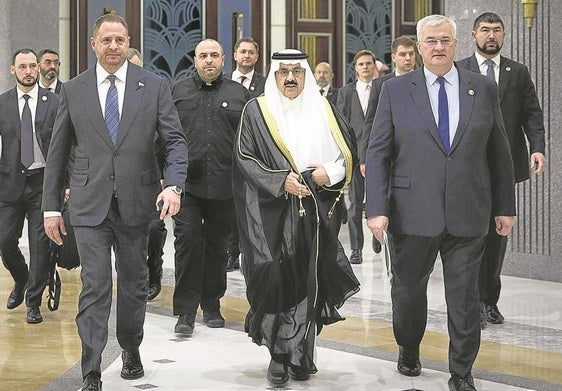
x: 12, y: 172
x: 521, y: 111
x: 129, y: 168
x: 416, y: 183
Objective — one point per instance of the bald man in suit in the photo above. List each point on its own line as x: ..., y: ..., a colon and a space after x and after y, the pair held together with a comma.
x: 438, y: 166
x: 113, y: 114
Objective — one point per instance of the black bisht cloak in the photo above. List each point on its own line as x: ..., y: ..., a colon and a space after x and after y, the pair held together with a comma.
x: 295, y: 276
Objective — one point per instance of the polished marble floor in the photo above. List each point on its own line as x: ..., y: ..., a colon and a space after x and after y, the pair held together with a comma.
x: 525, y: 353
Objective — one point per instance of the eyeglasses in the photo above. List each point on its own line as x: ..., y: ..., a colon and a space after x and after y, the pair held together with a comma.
x: 298, y: 72
x: 51, y: 62
x: 433, y: 42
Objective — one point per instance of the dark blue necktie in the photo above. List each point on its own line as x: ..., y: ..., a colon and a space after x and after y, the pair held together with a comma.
x: 112, y: 110
x: 26, y: 134
x: 443, y: 111
x: 490, y: 70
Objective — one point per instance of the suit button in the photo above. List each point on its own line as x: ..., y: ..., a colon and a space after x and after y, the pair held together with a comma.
x: 115, y: 153
x: 112, y: 176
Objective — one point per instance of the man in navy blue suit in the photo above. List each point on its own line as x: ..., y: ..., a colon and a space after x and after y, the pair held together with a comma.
x: 438, y: 166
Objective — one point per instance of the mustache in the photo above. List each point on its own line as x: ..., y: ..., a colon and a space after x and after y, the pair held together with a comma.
x: 290, y: 83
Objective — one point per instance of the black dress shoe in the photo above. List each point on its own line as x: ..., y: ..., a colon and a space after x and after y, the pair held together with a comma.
x: 457, y: 383
x: 132, y: 366
x: 214, y: 319
x: 92, y: 382
x: 356, y: 257
x: 16, y: 296
x: 185, y: 325
x: 483, y: 316
x: 233, y: 262
x: 154, y: 288
x: 300, y: 374
x: 409, y: 361
x: 33, y: 315
x: 277, y: 373
x: 493, y: 314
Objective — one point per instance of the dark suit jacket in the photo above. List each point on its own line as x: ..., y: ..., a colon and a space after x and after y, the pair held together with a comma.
x: 412, y: 180
x: 12, y: 172
x: 130, y: 166
x: 521, y: 111
x: 371, y: 110
x: 257, y: 85
x: 332, y: 95
x: 346, y: 95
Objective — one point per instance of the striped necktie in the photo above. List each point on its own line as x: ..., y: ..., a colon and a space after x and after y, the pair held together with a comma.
x: 112, y: 110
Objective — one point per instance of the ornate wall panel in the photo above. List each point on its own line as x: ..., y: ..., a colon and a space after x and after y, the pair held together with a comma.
x: 172, y: 29
x: 368, y: 26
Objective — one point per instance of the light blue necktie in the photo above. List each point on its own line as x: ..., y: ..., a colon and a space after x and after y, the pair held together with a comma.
x: 443, y: 112
x: 112, y: 110
x: 490, y: 70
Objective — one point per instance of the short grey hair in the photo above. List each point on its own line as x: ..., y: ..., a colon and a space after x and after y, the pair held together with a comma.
x: 435, y: 20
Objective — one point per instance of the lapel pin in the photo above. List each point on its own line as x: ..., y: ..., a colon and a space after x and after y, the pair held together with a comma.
x: 44, y: 98
x: 141, y: 84
x: 508, y: 69
x: 224, y: 104
x: 470, y: 92
x: 252, y: 87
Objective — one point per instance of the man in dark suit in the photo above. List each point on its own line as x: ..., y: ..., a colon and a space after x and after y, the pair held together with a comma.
x: 49, y: 68
x: 246, y: 54
x: 438, y: 166
x: 26, y: 124
x: 404, y: 59
x: 353, y: 102
x: 112, y: 114
x: 324, y: 75
x: 523, y: 119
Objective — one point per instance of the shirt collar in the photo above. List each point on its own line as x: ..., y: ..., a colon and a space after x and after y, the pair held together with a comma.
x: 200, y: 83
x: 33, y: 93
x: 120, y: 74
x: 360, y: 86
x: 431, y: 78
x: 236, y: 75
x: 480, y: 59
x: 52, y: 87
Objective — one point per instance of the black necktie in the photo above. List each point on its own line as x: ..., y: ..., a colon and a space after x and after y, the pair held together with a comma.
x: 322, y: 91
x: 112, y: 110
x: 26, y: 134
x: 443, y: 112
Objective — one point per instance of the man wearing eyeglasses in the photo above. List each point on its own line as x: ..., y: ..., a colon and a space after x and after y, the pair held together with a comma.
x: 438, y: 166
x: 523, y: 118
x: 294, y: 156
x: 49, y: 68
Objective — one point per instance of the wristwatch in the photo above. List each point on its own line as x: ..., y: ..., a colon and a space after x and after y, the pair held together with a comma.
x: 178, y: 190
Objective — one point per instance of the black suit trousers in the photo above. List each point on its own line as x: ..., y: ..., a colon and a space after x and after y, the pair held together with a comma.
x: 94, y: 305
x: 355, y: 211
x: 201, y: 233
x: 491, y: 266
x: 412, y: 266
x: 12, y: 216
